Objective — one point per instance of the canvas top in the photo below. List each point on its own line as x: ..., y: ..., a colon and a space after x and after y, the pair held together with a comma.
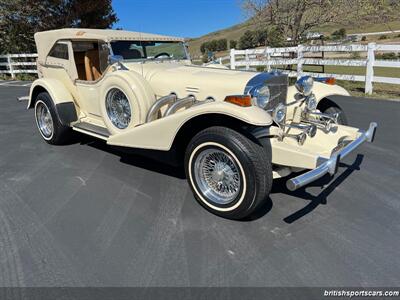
x: 46, y: 39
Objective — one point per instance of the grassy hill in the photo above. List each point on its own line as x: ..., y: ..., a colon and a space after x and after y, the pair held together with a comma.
x: 235, y: 32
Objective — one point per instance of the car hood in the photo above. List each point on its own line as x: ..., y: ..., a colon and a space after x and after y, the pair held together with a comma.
x: 202, y: 82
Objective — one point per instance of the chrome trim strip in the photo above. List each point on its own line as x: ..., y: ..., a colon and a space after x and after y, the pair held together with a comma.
x: 330, y: 166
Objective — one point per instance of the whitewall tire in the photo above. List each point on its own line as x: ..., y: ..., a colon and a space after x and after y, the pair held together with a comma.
x: 229, y: 174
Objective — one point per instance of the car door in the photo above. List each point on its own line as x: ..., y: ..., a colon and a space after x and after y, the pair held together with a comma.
x: 91, y: 63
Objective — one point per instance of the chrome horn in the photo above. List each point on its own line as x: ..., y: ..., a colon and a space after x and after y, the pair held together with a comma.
x: 326, y: 121
x: 300, y: 138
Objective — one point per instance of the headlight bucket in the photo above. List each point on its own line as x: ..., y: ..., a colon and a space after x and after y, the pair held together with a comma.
x: 261, y: 96
x: 305, y: 85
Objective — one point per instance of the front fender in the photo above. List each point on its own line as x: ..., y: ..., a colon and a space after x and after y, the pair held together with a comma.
x: 54, y: 87
x: 322, y: 90
x: 160, y: 134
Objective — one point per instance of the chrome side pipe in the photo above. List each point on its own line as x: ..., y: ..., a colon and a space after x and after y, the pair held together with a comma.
x: 181, y: 103
x: 155, y: 108
x: 331, y: 165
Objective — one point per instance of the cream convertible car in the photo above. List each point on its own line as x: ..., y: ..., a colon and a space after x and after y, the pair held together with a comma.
x: 235, y: 131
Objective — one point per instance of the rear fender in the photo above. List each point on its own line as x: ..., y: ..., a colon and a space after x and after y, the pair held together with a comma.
x: 62, y: 99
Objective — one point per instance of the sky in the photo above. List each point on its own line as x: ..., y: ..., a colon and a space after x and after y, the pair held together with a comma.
x: 185, y: 18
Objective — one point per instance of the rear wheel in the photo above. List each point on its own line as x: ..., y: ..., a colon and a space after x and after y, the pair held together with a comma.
x: 229, y: 174
x: 48, y: 124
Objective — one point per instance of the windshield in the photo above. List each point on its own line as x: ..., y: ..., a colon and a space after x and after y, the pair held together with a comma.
x: 142, y: 50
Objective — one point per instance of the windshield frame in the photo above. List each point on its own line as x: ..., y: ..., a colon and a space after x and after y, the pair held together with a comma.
x: 142, y: 60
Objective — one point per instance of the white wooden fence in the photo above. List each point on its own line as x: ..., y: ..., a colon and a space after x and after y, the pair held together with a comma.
x: 270, y: 57
x: 13, y: 64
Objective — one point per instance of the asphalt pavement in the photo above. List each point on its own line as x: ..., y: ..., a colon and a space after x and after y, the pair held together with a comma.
x: 86, y: 215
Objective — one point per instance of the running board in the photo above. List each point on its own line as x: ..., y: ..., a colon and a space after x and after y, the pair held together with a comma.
x: 92, y: 129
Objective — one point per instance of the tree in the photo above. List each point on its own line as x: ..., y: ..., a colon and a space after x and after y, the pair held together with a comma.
x: 203, y: 47
x: 232, y: 44
x: 295, y: 17
x: 20, y: 19
x: 222, y: 45
x: 246, y: 41
x: 260, y: 37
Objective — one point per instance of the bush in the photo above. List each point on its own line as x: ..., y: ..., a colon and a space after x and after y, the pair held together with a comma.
x: 388, y: 56
x: 232, y: 44
x: 355, y: 55
x: 204, y: 58
x: 339, y: 34
x: 260, y: 68
x: 383, y: 37
x: 364, y: 38
x: 214, y: 45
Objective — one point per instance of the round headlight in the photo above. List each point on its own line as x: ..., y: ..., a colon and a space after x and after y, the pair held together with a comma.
x: 262, y: 96
x: 311, y: 102
x: 304, y: 85
x: 279, y: 113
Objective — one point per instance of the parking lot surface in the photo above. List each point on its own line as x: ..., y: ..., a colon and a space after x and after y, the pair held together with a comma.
x: 87, y: 215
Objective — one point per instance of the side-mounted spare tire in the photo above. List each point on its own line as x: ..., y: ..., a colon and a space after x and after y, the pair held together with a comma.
x: 230, y: 175
x: 48, y: 123
x: 125, y: 99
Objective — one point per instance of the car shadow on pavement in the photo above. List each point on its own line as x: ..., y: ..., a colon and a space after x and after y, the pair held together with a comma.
x: 154, y: 161
x: 159, y: 164
x: 321, y: 198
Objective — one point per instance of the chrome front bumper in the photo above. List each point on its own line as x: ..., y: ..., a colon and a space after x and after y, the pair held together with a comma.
x: 331, y: 165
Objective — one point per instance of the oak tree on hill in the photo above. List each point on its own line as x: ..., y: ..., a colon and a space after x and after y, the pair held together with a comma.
x: 294, y: 18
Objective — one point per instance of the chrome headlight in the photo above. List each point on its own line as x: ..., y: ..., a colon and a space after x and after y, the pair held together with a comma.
x: 279, y: 113
x: 311, y: 102
x: 261, y: 96
x: 305, y: 85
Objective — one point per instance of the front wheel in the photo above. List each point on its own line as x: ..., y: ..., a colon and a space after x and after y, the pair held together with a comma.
x: 342, y: 119
x: 229, y: 174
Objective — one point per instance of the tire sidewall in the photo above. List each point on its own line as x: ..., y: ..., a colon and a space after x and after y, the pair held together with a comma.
x: 245, y: 199
x: 41, y: 100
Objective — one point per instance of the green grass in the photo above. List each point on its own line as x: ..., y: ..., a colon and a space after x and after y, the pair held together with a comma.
x: 378, y: 71
x: 381, y: 90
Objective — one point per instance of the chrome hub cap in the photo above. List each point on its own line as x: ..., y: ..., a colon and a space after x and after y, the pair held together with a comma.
x: 217, y: 175
x: 118, y: 108
x: 44, y: 120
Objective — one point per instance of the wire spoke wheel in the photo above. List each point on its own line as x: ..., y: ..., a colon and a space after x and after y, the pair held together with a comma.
x: 118, y: 108
x: 44, y: 119
x: 217, y: 175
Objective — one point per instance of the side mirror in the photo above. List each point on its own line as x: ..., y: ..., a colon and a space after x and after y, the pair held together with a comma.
x: 113, y: 59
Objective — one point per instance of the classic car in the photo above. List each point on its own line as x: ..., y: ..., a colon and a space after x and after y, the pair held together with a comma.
x: 233, y: 131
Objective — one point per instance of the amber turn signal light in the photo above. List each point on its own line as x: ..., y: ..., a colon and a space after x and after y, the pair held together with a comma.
x: 241, y: 100
x: 330, y: 80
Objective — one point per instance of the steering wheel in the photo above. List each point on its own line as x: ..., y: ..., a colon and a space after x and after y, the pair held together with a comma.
x: 162, y: 54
